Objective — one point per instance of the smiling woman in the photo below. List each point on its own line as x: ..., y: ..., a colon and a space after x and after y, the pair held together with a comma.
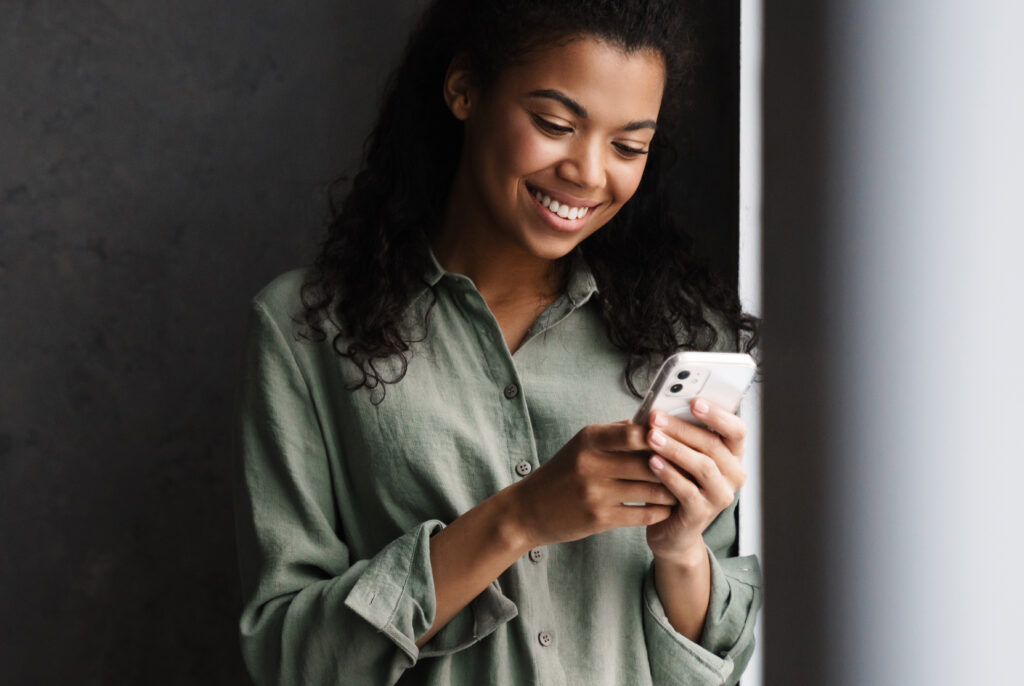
x: 571, y: 123
x: 433, y: 454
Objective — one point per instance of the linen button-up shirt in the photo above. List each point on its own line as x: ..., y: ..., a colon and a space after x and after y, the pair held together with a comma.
x: 337, y: 497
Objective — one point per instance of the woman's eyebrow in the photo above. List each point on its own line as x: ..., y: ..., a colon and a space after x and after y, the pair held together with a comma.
x: 561, y: 97
x: 581, y: 111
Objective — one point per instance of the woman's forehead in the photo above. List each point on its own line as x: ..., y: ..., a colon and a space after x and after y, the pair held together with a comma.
x: 595, y: 75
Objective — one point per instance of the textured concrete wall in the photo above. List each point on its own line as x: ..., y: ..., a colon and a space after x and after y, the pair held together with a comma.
x: 159, y: 163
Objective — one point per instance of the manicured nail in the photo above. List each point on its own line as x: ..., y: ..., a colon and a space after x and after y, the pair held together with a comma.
x: 700, y: 407
x: 657, y: 438
x: 657, y: 464
x: 659, y: 419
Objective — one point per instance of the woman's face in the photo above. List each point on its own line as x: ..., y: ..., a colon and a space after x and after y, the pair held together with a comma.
x: 556, y: 147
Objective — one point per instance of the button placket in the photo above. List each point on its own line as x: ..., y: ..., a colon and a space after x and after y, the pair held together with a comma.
x: 518, y: 432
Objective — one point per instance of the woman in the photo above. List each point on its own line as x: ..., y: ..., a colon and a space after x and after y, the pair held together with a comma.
x: 434, y: 452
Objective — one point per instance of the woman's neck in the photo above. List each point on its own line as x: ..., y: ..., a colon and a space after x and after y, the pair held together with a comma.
x: 498, y: 272
x: 502, y: 270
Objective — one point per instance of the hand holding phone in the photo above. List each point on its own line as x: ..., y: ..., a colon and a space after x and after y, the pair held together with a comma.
x: 719, y: 378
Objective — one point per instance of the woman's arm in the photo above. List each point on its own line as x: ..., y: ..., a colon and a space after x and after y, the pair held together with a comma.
x: 721, y: 652
x: 312, y: 614
x: 470, y: 553
x: 701, y: 606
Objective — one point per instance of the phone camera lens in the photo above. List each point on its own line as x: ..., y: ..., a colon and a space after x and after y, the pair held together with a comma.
x: 676, y: 387
x: 683, y: 374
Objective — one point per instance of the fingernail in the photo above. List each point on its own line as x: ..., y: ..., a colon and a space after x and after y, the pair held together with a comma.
x: 700, y: 407
x: 657, y: 464
x: 657, y: 438
x: 659, y: 419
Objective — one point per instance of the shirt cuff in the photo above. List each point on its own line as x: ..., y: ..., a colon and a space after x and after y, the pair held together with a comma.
x: 395, y: 593
x: 678, y: 661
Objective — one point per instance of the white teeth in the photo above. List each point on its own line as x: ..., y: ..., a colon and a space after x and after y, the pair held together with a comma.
x: 563, y: 211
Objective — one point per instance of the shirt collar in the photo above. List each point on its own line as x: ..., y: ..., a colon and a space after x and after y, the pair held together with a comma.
x: 581, y: 284
x: 434, y: 271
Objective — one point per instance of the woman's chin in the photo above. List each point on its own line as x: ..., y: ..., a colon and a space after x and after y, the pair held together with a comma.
x: 549, y: 249
x: 552, y: 245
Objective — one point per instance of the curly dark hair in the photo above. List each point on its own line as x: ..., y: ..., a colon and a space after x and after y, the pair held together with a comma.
x: 655, y: 295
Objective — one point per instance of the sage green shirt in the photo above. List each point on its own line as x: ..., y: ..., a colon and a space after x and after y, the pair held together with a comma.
x: 336, y: 499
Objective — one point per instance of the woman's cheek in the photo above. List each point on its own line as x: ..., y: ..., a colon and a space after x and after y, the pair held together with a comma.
x: 628, y: 181
x: 530, y: 151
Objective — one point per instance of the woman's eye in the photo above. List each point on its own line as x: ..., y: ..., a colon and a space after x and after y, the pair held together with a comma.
x: 551, y: 127
x: 628, y: 151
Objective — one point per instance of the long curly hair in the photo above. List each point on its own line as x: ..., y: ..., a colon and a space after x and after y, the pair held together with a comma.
x: 655, y: 295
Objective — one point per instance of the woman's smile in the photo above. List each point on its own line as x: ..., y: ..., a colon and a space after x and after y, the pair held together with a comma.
x: 561, y: 211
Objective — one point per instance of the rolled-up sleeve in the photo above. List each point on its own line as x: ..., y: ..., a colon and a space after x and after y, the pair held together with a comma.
x: 311, y: 614
x: 727, y: 640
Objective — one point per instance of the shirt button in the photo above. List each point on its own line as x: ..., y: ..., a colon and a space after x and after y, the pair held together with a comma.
x: 511, y: 391
x: 524, y: 468
x: 544, y: 638
x: 536, y: 554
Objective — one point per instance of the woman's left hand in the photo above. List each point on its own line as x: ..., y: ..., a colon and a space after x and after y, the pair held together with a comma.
x: 702, y: 468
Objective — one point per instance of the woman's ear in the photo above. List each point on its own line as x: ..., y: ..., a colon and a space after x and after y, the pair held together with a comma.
x: 458, y: 89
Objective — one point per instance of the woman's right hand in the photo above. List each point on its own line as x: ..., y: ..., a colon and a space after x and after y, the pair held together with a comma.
x: 580, y: 490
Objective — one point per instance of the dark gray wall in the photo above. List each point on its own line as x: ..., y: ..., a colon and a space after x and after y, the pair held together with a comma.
x: 159, y: 163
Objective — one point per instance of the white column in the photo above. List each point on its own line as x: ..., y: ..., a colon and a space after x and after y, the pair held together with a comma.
x: 750, y: 286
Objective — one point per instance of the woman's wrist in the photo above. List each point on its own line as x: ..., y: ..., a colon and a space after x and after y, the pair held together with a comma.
x: 511, y: 523
x: 687, y: 560
x: 683, y: 584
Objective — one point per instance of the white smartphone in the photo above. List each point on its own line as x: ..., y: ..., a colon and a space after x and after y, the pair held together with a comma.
x: 721, y: 378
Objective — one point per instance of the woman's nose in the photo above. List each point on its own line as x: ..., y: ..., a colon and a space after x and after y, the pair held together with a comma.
x: 585, y: 165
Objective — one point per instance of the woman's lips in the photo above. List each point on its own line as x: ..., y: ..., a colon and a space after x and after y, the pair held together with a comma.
x: 561, y: 212
x: 553, y: 220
